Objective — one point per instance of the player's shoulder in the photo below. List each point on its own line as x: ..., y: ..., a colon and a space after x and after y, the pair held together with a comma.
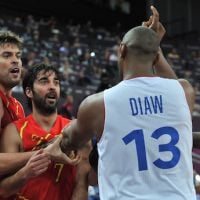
x: 187, y: 86
x: 93, y: 99
x: 63, y: 119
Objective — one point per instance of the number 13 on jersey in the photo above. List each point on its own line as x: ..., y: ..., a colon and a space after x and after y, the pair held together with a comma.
x: 138, y: 137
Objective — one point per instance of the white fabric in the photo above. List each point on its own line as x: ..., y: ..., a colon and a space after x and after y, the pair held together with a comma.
x: 152, y: 114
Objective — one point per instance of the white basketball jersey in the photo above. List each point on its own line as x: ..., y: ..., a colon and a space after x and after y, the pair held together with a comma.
x: 145, y: 149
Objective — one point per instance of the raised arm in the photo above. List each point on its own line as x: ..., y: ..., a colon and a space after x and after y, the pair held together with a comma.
x: 161, y: 66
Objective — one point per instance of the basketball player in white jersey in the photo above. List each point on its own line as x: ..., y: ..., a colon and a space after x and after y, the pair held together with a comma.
x: 143, y: 125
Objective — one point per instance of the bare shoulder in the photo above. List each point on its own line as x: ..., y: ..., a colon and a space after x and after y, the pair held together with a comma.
x: 10, y: 139
x: 186, y: 84
x: 92, y: 103
x: 91, y: 113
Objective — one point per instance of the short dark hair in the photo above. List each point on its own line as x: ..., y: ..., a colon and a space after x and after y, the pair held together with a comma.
x: 10, y: 37
x: 31, y: 75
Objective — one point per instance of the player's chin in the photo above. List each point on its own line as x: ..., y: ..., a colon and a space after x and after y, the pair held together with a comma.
x: 51, y: 102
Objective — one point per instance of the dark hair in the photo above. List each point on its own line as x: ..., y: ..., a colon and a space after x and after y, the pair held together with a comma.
x: 10, y: 37
x: 31, y: 75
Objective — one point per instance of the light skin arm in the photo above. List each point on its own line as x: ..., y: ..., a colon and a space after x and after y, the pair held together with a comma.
x: 37, y: 164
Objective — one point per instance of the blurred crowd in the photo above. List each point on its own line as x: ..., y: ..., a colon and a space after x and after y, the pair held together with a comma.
x: 87, y: 56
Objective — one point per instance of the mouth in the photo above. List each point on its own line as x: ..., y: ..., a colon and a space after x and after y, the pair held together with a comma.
x: 52, y: 96
x: 15, y: 70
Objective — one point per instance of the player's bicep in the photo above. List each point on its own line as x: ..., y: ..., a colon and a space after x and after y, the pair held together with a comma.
x: 10, y: 140
x: 86, y: 118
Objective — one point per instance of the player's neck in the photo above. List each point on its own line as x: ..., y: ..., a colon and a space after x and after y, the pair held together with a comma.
x: 6, y: 91
x: 46, y: 122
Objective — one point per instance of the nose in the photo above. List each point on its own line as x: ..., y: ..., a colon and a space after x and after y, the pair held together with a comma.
x: 15, y: 60
x: 52, y: 85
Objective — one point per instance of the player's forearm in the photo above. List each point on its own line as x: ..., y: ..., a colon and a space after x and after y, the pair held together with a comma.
x: 11, y: 185
x: 10, y: 162
x: 70, y: 140
x: 163, y: 68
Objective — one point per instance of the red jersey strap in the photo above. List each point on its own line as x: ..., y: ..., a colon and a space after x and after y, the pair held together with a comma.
x: 13, y: 106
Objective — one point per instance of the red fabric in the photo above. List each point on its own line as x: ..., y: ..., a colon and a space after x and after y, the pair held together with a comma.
x: 13, y: 110
x: 57, y: 183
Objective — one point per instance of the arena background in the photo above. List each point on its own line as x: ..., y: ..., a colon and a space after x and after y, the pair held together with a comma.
x: 180, y: 17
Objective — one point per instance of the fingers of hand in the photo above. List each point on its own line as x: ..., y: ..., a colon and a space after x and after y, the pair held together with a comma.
x: 154, y: 18
x: 38, y: 164
x: 155, y: 12
x: 72, y: 161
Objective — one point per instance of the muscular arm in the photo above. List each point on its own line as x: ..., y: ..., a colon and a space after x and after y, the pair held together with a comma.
x: 10, y: 144
x: 90, y: 121
x: 10, y: 162
x: 162, y: 67
x: 37, y: 164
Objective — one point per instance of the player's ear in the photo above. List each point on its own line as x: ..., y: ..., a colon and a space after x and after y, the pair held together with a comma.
x: 28, y: 92
x: 122, y: 51
x: 156, y: 59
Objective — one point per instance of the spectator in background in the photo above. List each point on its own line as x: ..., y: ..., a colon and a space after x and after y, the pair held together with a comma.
x: 173, y: 54
x: 67, y: 108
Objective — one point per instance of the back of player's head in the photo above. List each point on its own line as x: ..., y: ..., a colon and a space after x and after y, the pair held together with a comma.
x: 141, y: 42
x: 9, y: 37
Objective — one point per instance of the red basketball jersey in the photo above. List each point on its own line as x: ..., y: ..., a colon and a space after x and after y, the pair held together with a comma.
x: 13, y: 109
x: 57, y: 183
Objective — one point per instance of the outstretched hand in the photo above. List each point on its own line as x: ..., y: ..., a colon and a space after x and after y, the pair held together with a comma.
x: 57, y: 155
x: 154, y: 23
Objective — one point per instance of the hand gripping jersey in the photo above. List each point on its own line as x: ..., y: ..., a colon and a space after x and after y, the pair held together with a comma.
x: 145, y: 149
x: 12, y: 110
x: 58, y: 181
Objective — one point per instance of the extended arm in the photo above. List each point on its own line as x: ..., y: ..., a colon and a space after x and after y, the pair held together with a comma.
x: 37, y: 164
x: 90, y: 121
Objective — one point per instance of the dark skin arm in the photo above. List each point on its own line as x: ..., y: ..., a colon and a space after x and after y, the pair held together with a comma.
x: 80, y: 131
x: 81, y: 186
x: 161, y: 66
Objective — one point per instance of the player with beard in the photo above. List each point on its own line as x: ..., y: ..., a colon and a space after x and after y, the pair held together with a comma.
x: 11, y: 109
x: 60, y: 182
